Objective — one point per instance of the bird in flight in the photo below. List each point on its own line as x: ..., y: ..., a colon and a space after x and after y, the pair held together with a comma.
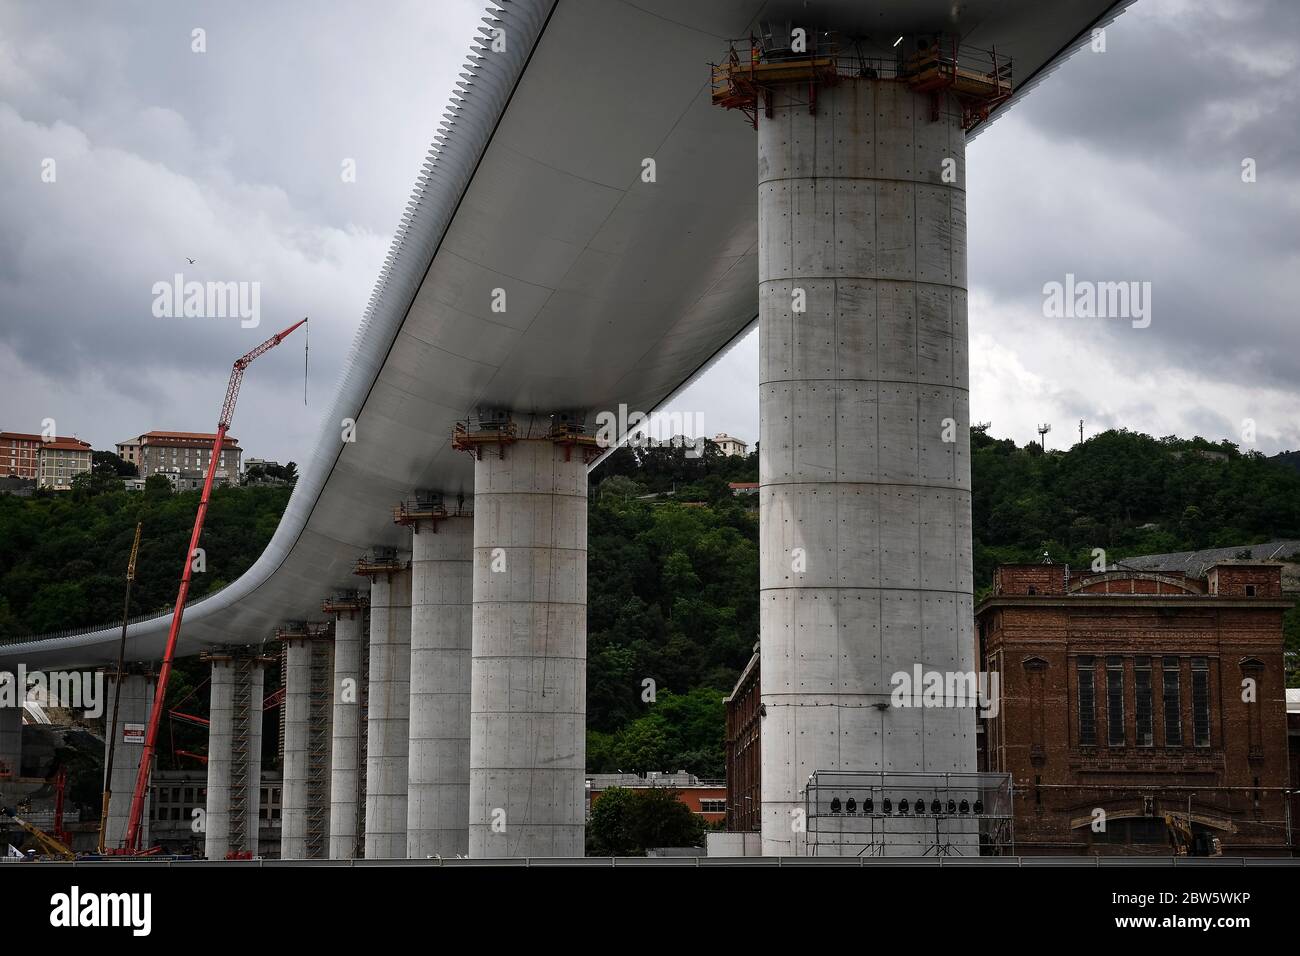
x: 189, y: 260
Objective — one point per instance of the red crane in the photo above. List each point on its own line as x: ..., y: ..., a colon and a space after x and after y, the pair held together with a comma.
x: 60, y: 786
x: 133, y: 828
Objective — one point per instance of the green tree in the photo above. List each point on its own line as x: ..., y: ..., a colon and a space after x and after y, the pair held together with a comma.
x: 108, y: 463
x: 157, y: 487
x: 611, y: 831
x: 628, y: 822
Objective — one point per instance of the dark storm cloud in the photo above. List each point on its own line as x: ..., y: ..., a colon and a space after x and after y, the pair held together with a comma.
x: 1123, y: 165
x: 233, y: 157
x: 1127, y: 165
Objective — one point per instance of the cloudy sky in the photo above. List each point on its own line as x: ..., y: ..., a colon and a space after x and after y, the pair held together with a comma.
x: 1126, y: 165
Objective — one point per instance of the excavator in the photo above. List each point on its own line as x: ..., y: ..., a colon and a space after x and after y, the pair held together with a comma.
x: 1187, y: 843
x: 51, y: 848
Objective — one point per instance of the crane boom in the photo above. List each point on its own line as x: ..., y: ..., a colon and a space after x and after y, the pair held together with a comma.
x: 49, y: 845
x: 133, y: 830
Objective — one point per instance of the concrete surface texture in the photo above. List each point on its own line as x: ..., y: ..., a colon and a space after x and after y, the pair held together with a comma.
x: 442, y: 595
x: 234, y: 756
x: 351, y: 645
x: 865, y: 561
x: 297, y: 714
x: 387, y: 725
x: 528, y: 702
x: 132, y: 722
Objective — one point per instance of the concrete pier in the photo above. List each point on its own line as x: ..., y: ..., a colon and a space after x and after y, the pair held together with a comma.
x: 442, y: 593
x: 304, y: 815
x: 388, y: 703
x: 138, y: 688
x: 528, y: 702
x: 11, y: 742
x: 865, y: 565
x: 347, y: 746
x: 234, y: 754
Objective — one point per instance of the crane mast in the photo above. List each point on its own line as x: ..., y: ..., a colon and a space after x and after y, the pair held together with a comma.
x: 133, y: 830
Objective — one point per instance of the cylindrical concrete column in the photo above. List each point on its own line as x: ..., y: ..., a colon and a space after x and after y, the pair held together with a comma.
x: 234, y: 799
x: 11, y: 742
x: 442, y: 596
x: 252, y: 805
x: 346, y: 804
x: 132, y: 722
x: 216, y: 842
x: 297, y: 716
x: 388, y: 724
x: 865, y: 565
x: 528, y: 700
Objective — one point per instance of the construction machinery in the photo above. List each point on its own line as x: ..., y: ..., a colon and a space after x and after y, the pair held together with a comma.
x: 1185, y: 842
x: 978, y: 80
x: 136, y: 816
x: 50, y: 847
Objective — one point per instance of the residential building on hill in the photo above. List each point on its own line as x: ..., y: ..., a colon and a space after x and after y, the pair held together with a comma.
x: 182, y: 457
x: 729, y: 445
x: 20, y: 455
x: 60, y: 461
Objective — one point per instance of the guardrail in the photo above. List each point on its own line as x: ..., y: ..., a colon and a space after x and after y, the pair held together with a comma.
x: 94, y: 628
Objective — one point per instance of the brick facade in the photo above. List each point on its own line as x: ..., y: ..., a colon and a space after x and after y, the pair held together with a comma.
x: 1123, y: 692
x: 744, y: 751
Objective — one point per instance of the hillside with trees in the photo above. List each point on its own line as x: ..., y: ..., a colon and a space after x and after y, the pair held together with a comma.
x: 673, y: 559
x: 63, y: 555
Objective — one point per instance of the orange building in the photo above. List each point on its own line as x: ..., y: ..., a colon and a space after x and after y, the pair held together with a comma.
x: 707, y: 798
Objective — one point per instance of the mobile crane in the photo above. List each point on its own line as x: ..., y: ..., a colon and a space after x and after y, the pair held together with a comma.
x: 135, y: 818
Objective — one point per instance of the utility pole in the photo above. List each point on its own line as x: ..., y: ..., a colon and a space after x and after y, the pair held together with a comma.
x: 1080, y: 431
x: 117, y: 690
x: 1042, y: 441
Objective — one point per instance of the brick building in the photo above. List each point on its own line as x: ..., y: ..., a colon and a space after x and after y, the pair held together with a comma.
x: 182, y: 457
x: 51, y: 464
x: 19, y: 453
x: 1139, y: 694
x: 744, y: 751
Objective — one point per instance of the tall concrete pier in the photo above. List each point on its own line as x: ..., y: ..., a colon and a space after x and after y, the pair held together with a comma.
x: 11, y: 742
x: 234, y: 754
x: 528, y: 703
x: 138, y: 688
x: 348, y: 727
x: 442, y: 597
x: 388, y: 703
x: 304, y: 816
x: 865, y: 565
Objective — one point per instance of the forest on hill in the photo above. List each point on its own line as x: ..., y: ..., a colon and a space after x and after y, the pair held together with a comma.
x: 672, y: 560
